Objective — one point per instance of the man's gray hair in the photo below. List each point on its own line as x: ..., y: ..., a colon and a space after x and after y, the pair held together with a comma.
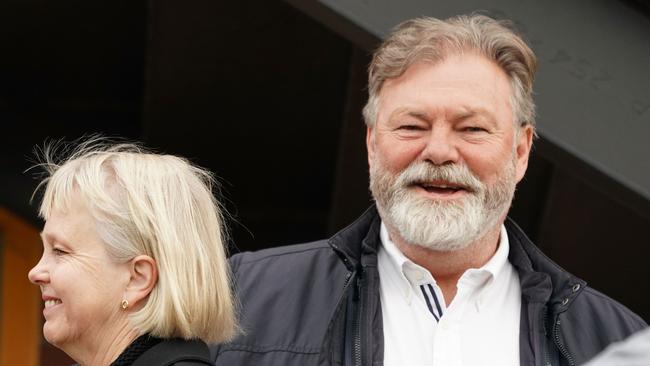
x: 431, y: 40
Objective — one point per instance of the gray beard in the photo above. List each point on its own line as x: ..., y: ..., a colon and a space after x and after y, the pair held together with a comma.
x: 440, y: 225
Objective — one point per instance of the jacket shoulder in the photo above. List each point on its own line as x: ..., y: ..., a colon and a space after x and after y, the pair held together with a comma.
x: 283, y: 254
x: 595, y: 303
x: 593, y: 321
x: 286, y: 296
x: 251, y: 268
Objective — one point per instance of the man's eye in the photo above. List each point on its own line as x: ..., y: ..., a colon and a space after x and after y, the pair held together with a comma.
x: 474, y: 129
x: 410, y: 127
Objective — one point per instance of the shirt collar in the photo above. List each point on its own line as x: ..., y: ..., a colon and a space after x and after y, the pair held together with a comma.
x: 407, y: 273
x: 413, y: 275
x: 476, y: 277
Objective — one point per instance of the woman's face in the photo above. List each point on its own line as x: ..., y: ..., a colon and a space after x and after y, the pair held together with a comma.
x: 81, y: 286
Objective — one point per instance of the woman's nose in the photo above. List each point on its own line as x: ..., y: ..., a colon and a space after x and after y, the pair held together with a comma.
x: 38, y: 275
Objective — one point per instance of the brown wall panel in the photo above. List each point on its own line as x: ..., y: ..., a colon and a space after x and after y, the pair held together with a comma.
x: 20, y: 332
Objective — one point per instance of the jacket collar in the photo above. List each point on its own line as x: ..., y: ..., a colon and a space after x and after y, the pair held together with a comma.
x: 542, y: 280
x: 359, y: 238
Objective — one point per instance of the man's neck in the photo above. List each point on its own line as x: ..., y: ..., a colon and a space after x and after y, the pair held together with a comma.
x: 448, y: 266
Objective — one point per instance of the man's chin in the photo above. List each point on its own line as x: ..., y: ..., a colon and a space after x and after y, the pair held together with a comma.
x: 439, y: 225
x: 431, y: 204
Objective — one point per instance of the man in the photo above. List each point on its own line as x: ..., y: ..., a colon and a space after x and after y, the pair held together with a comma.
x: 435, y: 274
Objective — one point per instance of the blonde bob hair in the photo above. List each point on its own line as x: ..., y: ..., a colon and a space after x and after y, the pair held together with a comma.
x: 430, y: 40
x: 157, y: 205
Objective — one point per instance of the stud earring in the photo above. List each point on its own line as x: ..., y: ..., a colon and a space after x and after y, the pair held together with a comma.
x: 125, y: 304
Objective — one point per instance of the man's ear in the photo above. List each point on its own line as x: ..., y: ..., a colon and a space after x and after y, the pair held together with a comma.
x: 522, y: 149
x: 370, y: 144
x: 143, y: 277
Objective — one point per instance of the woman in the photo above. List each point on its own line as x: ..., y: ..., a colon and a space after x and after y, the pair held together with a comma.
x: 134, y: 269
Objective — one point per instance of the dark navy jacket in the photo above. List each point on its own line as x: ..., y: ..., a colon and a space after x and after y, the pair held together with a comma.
x: 318, y: 304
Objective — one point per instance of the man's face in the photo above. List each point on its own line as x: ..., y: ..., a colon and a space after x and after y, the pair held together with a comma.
x: 444, y: 153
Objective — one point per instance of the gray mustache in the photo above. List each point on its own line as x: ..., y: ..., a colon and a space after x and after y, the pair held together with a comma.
x: 422, y: 172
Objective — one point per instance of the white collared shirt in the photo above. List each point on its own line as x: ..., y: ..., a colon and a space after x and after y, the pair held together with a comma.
x: 479, y: 327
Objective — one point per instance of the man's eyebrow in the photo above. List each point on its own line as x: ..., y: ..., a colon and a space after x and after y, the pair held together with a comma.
x: 468, y: 112
x: 464, y: 114
x: 415, y: 113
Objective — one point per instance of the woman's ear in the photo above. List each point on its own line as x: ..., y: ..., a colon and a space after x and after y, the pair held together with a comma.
x: 144, y: 275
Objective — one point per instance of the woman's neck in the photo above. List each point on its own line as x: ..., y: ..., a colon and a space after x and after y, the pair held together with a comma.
x: 102, y: 349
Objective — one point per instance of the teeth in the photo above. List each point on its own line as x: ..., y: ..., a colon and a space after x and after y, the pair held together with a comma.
x: 439, y: 186
x: 50, y: 303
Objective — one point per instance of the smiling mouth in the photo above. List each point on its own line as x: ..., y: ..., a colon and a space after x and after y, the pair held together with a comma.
x: 50, y: 303
x: 441, y: 187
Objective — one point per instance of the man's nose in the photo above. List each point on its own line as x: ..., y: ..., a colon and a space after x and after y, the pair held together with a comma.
x: 39, y: 275
x: 441, y: 148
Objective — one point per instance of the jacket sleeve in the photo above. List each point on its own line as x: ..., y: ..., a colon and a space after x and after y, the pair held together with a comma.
x: 233, y: 263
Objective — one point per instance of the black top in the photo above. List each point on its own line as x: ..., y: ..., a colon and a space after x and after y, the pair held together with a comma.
x: 151, y: 351
x: 139, y: 346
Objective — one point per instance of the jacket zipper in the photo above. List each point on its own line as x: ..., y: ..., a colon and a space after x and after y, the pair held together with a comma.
x: 547, y: 355
x: 560, y: 345
x: 357, y: 322
x: 355, y: 311
x: 347, y: 349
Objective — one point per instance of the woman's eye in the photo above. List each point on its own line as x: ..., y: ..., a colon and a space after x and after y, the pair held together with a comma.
x: 58, y: 251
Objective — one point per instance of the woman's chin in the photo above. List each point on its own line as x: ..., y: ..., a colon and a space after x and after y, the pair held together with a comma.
x: 52, y: 334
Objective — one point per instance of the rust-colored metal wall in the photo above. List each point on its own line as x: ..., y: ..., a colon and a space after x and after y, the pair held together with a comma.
x: 20, y: 333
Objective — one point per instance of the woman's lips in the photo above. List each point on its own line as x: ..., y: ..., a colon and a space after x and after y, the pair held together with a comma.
x: 50, y: 303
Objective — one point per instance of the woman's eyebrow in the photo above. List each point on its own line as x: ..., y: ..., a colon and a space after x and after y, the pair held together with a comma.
x: 52, y: 238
